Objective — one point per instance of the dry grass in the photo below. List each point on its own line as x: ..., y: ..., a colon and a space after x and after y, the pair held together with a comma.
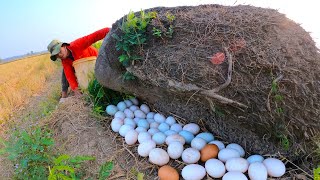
x: 22, y: 79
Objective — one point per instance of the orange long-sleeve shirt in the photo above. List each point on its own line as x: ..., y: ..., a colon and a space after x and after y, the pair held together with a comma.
x: 81, y: 48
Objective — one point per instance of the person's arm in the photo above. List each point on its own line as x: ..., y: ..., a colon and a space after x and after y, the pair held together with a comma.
x: 86, y: 41
x: 70, y: 75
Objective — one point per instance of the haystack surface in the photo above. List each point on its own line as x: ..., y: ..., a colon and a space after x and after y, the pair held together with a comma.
x: 265, y: 95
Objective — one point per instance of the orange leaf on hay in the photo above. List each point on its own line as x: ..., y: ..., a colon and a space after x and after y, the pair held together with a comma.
x: 237, y: 45
x: 218, y: 58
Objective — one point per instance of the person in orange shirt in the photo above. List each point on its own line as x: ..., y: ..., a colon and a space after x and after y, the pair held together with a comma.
x: 73, y: 51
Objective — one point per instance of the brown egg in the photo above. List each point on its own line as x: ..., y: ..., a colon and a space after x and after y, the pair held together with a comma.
x: 209, y: 151
x: 168, y: 173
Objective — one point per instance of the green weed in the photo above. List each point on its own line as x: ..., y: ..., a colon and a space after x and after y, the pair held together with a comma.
x: 156, y: 32
x: 101, y: 97
x: 66, y: 167
x: 316, y: 173
x: 97, y: 44
x: 105, y: 170
x: 30, y: 151
x: 134, y: 29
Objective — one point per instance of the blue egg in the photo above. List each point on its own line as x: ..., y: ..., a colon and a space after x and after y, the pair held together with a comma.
x: 255, y: 158
x: 188, y: 136
x: 170, y: 132
x: 111, y: 109
x: 176, y: 127
x: 159, y: 138
x: 121, y: 106
x: 163, y: 127
x: 206, y: 136
x: 143, y: 123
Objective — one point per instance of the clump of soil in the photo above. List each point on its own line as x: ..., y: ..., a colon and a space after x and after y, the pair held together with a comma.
x: 265, y: 94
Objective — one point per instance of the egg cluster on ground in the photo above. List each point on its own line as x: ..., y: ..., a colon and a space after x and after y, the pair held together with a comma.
x: 150, y: 129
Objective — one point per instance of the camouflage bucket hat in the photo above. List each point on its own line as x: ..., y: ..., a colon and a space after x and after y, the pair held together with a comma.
x: 54, y: 48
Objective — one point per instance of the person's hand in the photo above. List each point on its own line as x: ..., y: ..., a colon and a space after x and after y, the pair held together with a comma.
x: 77, y: 93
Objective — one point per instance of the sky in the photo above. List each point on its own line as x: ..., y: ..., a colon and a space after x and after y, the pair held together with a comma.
x: 30, y: 25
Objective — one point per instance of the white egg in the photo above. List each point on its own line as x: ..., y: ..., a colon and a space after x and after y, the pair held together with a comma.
x: 175, y: 150
x: 141, y: 129
x: 190, y: 155
x: 150, y: 120
x: 111, y: 110
x: 237, y: 164
x: 144, y: 136
x: 170, y: 132
x: 176, y: 127
x: 128, y: 103
x: 150, y: 115
x: 193, y: 172
x: 255, y: 158
x: 128, y: 113
x: 158, y: 156
x: 139, y: 114
x: 159, y: 138
x: 152, y: 131
x: 145, y: 148
x: 175, y: 137
x: 133, y: 108
x: 170, y: 120
x: 130, y: 122
x: 237, y: 147
x: 125, y: 129
x: 143, y: 123
x: 145, y: 108
x: 257, y: 171
x: 120, y: 115
x: 218, y: 143
x: 163, y: 127
x: 234, y: 175
x: 206, y: 136
x: 227, y: 153
x: 215, y: 168
x: 198, y: 143
x: 121, y: 106
x: 192, y: 127
x: 154, y: 125
x: 275, y: 167
x: 116, y: 124
x: 131, y: 137
x: 134, y: 101
x: 159, y: 118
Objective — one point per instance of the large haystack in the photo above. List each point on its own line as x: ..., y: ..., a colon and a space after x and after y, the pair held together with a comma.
x: 273, y: 64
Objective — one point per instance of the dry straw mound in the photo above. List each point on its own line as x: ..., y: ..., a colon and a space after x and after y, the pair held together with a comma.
x: 264, y: 95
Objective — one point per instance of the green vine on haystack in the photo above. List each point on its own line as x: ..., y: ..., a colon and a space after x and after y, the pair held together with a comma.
x: 134, y: 36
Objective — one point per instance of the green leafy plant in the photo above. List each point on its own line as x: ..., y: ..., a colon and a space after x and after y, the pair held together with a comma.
x: 134, y: 35
x: 156, y: 32
x: 101, y: 97
x: 30, y: 151
x: 66, y: 167
x: 316, y: 173
x: 105, y: 170
x: 170, y: 17
x: 128, y: 76
x: 97, y: 44
x: 284, y: 141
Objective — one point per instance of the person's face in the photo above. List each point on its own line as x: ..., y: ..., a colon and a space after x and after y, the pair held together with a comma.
x: 63, y: 54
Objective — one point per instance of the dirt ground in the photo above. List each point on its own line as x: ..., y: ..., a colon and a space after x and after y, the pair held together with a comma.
x: 78, y: 132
